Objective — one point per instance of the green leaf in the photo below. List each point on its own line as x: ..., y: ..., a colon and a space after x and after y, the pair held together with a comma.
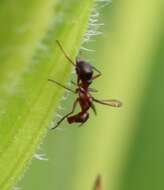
x: 29, y: 56
x: 124, y: 146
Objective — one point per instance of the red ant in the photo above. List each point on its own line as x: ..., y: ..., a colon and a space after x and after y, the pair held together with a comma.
x: 85, y: 77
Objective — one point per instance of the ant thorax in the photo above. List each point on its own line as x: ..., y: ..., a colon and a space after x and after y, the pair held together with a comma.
x: 82, y: 92
x: 84, y: 97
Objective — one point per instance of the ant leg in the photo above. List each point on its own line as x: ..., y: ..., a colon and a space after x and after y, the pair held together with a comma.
x: 62, y: 85
x: 111, y: 102
x: 98, y: 75
x: 73, y: 109
x: 65, y: 54
x: 93, y: 108
x: 92, y: 90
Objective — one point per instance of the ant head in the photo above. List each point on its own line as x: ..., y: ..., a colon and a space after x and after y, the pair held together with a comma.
x: 84, y: 70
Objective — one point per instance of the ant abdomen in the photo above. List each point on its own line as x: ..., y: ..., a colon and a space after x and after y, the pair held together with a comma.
x: 78, y: 118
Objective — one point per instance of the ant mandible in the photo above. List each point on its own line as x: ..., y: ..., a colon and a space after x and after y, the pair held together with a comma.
x: 84, y: 72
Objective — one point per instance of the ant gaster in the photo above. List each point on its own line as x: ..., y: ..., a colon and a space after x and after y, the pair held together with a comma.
x: 85, y: 76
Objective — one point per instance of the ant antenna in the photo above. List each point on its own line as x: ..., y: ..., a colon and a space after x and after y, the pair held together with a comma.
x: 65, y: 54
x: 62, y: 85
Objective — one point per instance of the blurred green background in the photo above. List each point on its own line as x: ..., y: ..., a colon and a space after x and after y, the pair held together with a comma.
x: 124, y: 146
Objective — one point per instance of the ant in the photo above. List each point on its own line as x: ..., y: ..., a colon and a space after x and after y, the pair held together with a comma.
x: 85, y: 76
